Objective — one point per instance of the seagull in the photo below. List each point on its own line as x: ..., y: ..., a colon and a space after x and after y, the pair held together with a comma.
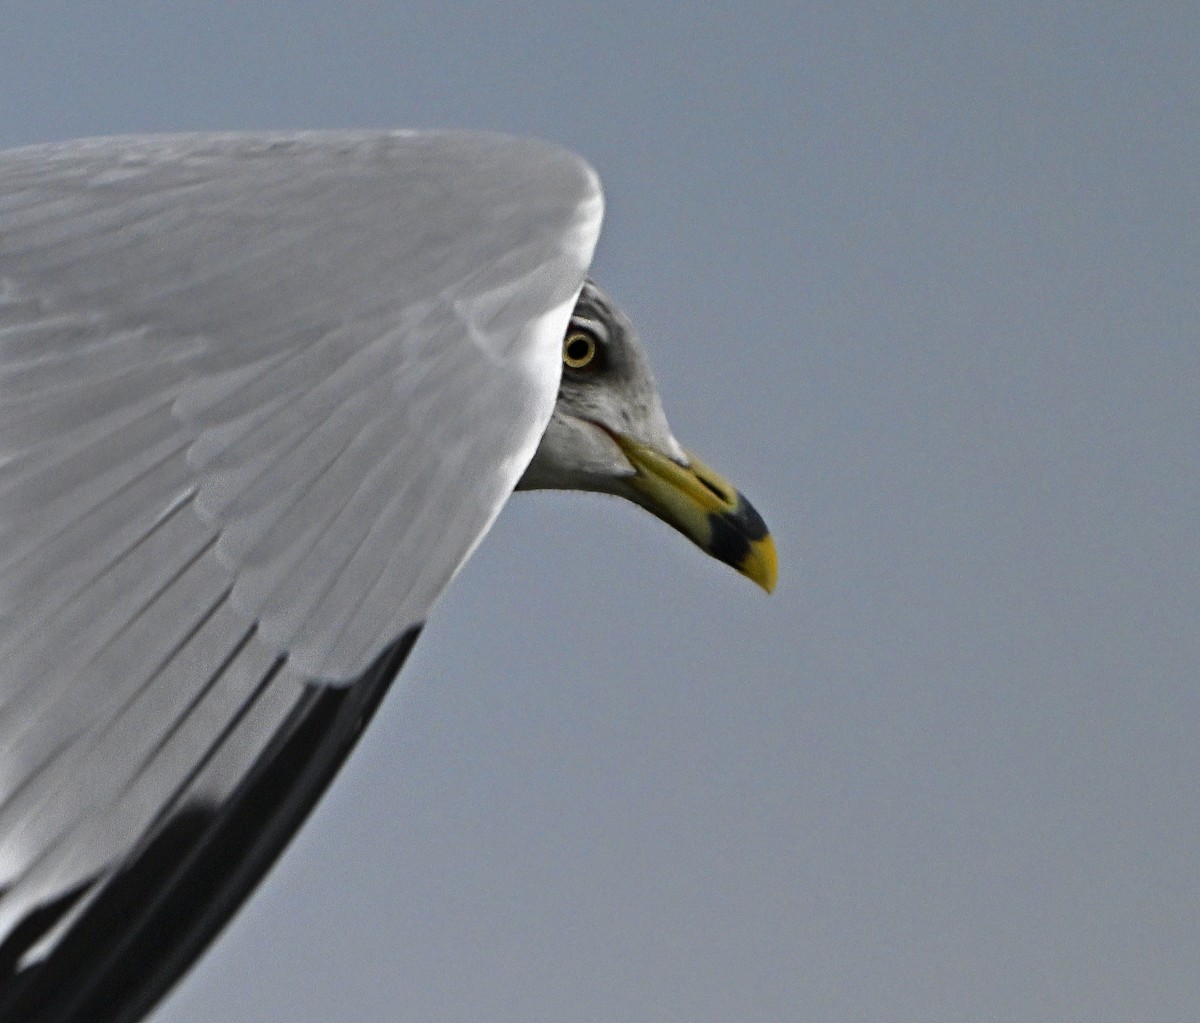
x: 261, y: 395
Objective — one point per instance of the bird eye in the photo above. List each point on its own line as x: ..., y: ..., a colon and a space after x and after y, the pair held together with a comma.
x: 579, y: 350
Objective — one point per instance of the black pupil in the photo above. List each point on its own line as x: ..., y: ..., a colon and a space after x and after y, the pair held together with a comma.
x: 578, y: 348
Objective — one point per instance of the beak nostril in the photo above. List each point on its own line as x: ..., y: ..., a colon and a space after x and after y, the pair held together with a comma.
x: 716, y: 491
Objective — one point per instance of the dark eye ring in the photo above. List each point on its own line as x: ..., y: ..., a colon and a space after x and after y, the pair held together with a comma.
x: 579, y: 350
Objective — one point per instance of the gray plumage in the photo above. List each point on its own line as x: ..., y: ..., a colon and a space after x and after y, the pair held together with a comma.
x: 260, y: 397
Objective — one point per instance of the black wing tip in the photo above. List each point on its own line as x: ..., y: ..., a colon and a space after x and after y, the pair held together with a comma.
x: 152, y: 919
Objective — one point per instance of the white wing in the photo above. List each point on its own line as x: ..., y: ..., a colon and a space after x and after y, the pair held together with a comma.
x: 260, y: 396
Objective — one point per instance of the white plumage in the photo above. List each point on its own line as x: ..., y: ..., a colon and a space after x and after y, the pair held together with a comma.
x: 260, y: 396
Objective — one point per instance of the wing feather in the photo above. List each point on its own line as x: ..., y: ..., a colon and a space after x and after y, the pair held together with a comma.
x: 260, y: 396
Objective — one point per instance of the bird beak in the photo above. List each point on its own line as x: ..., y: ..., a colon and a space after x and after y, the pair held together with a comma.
x: 703, y: 507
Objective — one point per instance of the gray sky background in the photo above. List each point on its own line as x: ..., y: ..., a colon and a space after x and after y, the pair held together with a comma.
x: 924, y: 280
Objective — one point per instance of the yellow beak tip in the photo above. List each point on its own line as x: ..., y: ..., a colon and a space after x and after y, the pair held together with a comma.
x: 761, y: 565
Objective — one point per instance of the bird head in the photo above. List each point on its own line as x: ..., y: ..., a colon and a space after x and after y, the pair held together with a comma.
x: 609, y: 434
